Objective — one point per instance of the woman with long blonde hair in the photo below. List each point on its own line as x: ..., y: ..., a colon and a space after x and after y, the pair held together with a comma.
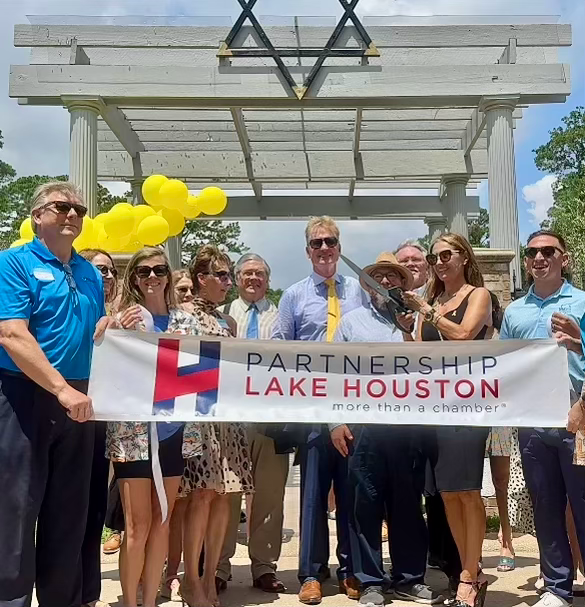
x: 458, y: 307
x: 148, y: 304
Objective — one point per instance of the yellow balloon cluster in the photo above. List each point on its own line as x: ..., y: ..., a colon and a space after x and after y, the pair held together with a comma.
x: 126, y: 228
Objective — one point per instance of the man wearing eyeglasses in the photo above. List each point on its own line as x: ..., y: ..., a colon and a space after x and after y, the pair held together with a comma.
x: 552, y: 308
x: 255, y: 317
x: 311, y: 310
x: 51, y: 310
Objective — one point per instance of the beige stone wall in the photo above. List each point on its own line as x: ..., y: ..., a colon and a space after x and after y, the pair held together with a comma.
x: 495, y: 267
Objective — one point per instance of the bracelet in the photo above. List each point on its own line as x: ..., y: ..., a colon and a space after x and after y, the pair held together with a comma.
x: 436, y: 318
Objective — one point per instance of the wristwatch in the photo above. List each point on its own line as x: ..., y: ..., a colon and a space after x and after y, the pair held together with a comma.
x: 430, y: 316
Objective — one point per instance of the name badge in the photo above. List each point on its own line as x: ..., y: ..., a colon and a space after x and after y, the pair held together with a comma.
x: 43, y: 275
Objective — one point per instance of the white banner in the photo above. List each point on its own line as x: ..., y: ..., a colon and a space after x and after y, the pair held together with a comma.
x: 153, y: 376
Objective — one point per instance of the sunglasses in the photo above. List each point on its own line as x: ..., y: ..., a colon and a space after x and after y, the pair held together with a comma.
x: 145, y: 271
x: 317, y: 243
x: 547, y: 252
x: 105, y: 271
x: 223, y: 275
x: 184, y: 290
x: 443, y: 256
x: 64, y: 207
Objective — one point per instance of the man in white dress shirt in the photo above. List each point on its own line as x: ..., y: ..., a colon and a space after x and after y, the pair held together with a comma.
x: 256, y: 317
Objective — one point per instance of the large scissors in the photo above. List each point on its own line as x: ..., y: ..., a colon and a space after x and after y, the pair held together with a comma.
x: 393, y: 296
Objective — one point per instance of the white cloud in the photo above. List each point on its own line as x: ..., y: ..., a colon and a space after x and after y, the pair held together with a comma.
x: 539, y: 198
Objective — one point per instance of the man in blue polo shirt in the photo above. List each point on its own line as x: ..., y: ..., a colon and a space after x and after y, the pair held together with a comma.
x: 51, y: 309
x: 547, y: 453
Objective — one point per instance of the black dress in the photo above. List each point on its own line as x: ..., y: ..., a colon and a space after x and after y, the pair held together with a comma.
x: 451, y: 471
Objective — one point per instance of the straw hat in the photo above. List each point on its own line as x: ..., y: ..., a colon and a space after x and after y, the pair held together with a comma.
x: 387, y: 261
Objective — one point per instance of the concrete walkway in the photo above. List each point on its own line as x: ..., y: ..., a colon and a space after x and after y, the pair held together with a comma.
x: 506, y: 589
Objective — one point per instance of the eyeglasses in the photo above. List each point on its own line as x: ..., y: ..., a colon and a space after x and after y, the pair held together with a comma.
x: 184, y: 290
x: 317, y: 243
x: 145, y: 271
x: 223, y: 275
x: 105, y: 271
x: 64, y: 207
x: 443, y: 256
x: 69, y: 277
x: 389, y: 276
x: 547, y: 252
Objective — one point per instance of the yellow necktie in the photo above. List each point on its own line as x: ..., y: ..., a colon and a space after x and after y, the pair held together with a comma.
x: 333, y: 309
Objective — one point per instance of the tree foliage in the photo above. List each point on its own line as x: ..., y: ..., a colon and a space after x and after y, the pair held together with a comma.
x: 198, y: 233
x: 479, y: 230
x: 564, y: 157
x: 6, y: 171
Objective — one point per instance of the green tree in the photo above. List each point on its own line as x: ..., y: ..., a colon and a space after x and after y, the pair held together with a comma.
x: 564, y: 157
x: 479, y: 230
x: 200, y: 232
x: 274, y: 295
x: 15, y: 197
x: 6, y: 171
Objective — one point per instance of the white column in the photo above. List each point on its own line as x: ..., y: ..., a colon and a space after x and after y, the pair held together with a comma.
x: 136, y: 185
x: 456, y: 204
x: 437, y: 226
x: 173, y: 250
x: 503, y: 205
x: 83, y: 148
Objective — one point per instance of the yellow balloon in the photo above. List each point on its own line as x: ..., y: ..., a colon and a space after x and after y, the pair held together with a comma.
x: 119, y: 223
x: 173, y: 194
x: 191, y: 208
x: 175, y: 220
x: 100, y: 218
x: 26, y: 231
x: 122, y: 205
x: 140, y: 212
x: 212, y: 200
x: 151, y: 187
x: 153, y: 230
x: 110, y: 243
x: 19, y: 242
x: 133, y: 246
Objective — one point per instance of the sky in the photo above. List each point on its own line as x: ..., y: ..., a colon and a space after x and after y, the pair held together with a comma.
x: 36, y: 139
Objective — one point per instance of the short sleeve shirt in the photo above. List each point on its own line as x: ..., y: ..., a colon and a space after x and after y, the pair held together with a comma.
x: 62, y: 311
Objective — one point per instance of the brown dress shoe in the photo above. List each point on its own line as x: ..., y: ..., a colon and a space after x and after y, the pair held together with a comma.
x: 112, y: 544
x: 351, y: 587
x: 310, y: 593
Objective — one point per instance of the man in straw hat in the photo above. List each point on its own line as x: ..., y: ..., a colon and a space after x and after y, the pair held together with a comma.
x: 381, y: 465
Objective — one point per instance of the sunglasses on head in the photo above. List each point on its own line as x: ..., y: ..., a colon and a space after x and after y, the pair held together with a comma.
x: 145, y: 271
x: 106, y: 270
x: 443, y: 256
x: 548, y: 251
x: 64, y: 207
x: 317, y: 243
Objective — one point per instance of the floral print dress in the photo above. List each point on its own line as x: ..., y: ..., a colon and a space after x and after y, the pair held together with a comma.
x: 224, y: 463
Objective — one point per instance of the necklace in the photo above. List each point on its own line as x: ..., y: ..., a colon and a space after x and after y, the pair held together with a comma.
x: 450, y: 297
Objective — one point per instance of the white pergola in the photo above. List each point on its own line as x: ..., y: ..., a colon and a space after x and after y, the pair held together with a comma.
x: 435, y: 111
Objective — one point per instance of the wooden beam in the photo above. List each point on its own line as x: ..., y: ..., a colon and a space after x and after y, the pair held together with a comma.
x: 240, y: 127
x: 108, y: 143
x: 291, y: 166
x: 410, y: 86
x: 364, y: 207
x: 122, y: 129
x: 473, y: 131
x: 282, y: 36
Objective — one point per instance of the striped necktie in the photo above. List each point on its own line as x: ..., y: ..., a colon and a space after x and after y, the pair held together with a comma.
x: 252, y: 330
x: 333, y: 309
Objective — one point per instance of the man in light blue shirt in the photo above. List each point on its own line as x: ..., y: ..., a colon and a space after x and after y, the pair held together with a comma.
x: 383, y: 481
x: 549, y: 308
x: 311, y: 310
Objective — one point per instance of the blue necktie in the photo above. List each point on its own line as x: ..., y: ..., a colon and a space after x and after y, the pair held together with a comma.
x: 252, y: 331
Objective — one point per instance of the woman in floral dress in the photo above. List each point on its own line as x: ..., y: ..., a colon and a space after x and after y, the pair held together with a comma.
x: 224, y: 466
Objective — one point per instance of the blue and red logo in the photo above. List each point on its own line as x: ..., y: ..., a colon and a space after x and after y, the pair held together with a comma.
x: 172, y: 381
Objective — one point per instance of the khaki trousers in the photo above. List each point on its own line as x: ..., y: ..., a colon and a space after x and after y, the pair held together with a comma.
x: 270, y: 471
